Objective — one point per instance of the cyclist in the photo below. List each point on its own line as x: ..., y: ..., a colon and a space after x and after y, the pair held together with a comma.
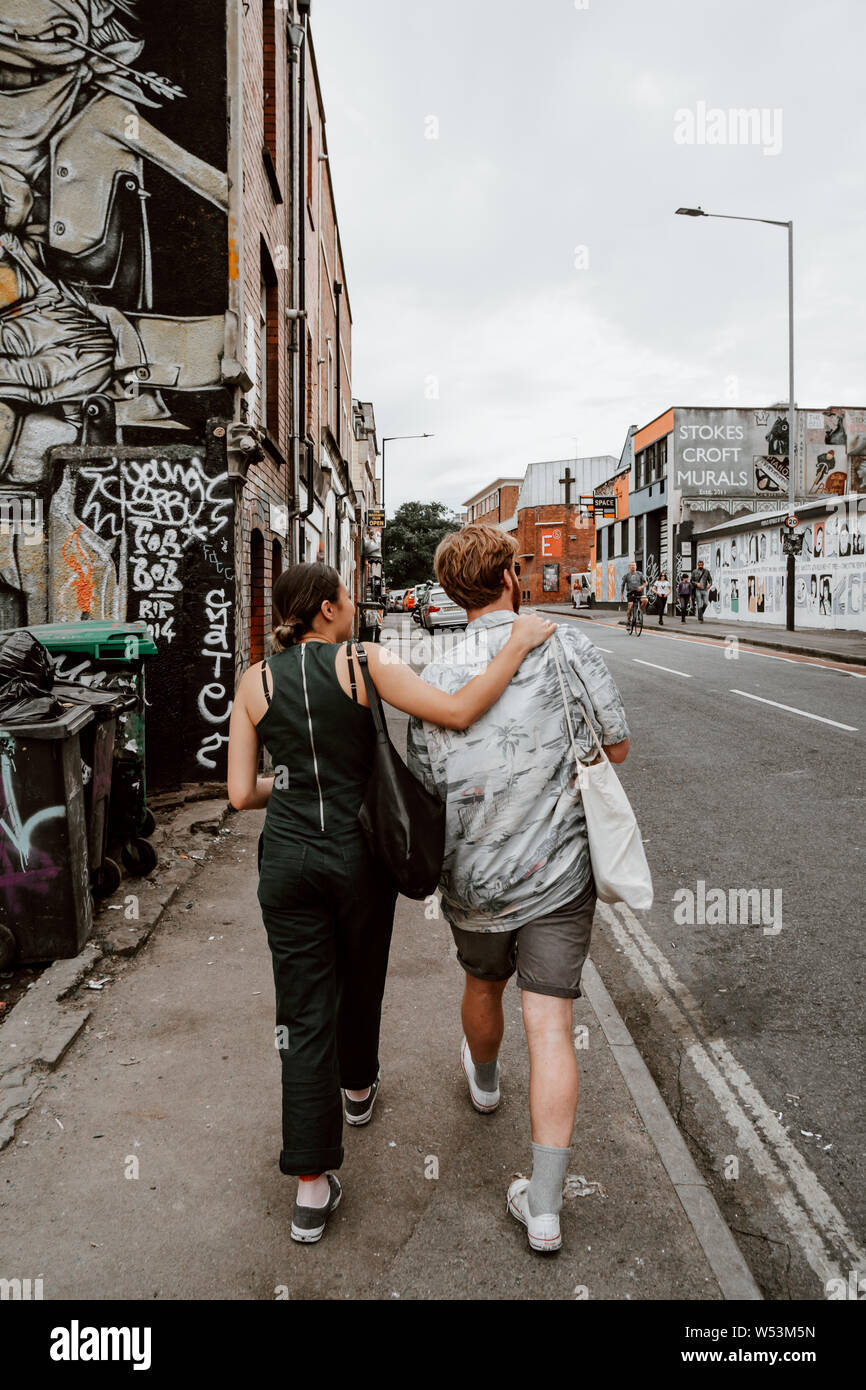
x: 633, y: 582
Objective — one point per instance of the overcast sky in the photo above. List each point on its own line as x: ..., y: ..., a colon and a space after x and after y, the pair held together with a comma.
x: 556, y: 131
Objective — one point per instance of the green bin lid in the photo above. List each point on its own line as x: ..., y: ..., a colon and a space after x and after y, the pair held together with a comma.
x: 96, y: 638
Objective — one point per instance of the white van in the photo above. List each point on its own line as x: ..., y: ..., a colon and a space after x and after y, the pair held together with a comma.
x: 581, y: 590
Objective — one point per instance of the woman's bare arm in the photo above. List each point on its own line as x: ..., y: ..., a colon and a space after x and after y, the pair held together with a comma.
x: 247, y: 791
x: 405, y: 690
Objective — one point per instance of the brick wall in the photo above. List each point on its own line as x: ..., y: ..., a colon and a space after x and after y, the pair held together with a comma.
x: 552, y: 535
x: 267, y: 238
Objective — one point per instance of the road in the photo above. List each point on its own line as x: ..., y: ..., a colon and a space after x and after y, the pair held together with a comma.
x: 746, y: 772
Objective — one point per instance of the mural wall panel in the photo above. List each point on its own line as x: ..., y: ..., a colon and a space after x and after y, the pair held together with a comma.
x: 749, y: 571
x: 113, y: 290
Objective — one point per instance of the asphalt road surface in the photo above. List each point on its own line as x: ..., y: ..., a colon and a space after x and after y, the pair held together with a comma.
x: 746, y: 773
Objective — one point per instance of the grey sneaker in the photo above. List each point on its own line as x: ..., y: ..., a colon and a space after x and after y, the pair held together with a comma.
x: 485, y: 1102
x: 360, y: 1112
x: 308, y: 1223
x: 543, y: 1231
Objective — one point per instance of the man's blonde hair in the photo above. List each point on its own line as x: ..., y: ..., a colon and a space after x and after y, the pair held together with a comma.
x: 469, y: 564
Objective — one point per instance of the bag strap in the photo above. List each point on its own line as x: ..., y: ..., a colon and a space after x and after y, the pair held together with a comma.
x: 350, y: 662
x: 372, y: 693
x: 265, y: 682
x: 568, y: 711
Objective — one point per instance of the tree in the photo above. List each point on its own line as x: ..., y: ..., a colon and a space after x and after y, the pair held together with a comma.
x: 410, y: 539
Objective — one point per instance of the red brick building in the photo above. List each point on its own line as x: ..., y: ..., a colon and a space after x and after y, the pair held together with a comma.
x: 294, y: 324
x: 494, y: 504
x: 554, y: 540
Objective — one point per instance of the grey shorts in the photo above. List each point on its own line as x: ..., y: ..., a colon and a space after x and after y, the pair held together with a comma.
x: 547, y: 954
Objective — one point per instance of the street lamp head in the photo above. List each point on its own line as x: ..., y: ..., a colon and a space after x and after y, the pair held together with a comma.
x: 691, y: 212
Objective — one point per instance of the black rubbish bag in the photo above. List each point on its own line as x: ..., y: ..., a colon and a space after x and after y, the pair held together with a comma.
x: 26, y: 677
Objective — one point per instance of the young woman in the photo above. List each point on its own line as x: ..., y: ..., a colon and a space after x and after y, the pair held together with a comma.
x: 662, y: 591
x: 328, y: 907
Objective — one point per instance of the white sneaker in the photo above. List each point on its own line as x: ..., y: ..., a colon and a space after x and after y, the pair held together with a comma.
x: 543, y: 1231
x: 484, y: 1101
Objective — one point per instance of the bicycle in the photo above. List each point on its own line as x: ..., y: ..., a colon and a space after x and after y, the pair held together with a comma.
x: 634, y: 620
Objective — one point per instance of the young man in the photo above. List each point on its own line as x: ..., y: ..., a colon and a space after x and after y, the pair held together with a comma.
x: 702, y: 582
x: 633, y: 584
x: 517, y: 884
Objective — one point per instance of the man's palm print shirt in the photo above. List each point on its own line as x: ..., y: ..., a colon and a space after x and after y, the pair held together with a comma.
x: 516, y: 845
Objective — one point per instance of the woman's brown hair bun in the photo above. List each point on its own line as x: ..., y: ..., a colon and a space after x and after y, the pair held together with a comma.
x: 298, y: 596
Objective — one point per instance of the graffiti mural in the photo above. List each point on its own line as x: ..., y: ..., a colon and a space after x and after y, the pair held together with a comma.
x: 113, y: 291
x: 147, y: 536
x: 749, y: 571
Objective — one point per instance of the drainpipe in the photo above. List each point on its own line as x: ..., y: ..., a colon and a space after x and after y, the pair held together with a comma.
x: 338, y: 295
x: 301, y: 515
x: 233, y: 371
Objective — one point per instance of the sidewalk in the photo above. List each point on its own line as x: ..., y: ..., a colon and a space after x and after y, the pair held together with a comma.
x: 835, y: 644
x: 148, y: 1166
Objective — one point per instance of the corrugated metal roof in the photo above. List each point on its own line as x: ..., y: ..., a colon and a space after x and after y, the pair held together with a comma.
x: 542, y: 486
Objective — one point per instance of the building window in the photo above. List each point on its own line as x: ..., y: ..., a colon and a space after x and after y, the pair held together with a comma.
x: 309, y: 161
x: 639, y: 533
x: 269, y: 346
x: 276, y: 561
x: 662, y: 458
x: 623, y: 538
x: 329, y: 398
x: 269, y: 78
x: 257, y: 596
x: 263, y: 352
x: 309, y: 393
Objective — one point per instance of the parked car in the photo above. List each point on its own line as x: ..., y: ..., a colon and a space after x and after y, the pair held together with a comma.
x: 395, y: 600
x: 421, y: 592
x: 581, y: 591
x: 440, y: 611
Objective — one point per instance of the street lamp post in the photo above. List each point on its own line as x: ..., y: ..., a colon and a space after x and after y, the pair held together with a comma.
x: 387, y: 439
x: 772, y: 222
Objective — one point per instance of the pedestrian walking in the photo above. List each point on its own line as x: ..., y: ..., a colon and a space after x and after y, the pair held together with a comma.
x: 702, y: 582
x: 517, y: 885
x: 684, y: 596
x: 662, y: 591
x: 327, y: 905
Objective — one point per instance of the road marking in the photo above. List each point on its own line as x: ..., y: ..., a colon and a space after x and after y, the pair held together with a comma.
x: 793, y: 710
x: 603, y: 649
x: 687, y: 674
x: 836, y: 664
x: 820, y: 1229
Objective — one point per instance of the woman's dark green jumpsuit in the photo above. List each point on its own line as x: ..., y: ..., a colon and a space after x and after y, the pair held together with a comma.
x: 327, y: 906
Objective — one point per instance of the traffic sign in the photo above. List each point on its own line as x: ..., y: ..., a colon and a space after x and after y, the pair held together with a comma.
x: 792, y: 521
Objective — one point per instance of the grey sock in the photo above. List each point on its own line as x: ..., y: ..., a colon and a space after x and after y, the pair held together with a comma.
x: 486, y: 1074
x: 548, y: 1175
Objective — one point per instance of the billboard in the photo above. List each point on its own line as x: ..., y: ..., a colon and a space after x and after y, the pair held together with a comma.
x: 731, y: 452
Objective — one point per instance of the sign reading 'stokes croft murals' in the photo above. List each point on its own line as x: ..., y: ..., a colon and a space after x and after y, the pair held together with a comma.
x: 744, y: 453
x: 113, y: 291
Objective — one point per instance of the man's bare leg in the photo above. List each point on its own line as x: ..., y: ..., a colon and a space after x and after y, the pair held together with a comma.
x: 553, y: 1092
x: 553, y: 1075
x: 483, y: 1019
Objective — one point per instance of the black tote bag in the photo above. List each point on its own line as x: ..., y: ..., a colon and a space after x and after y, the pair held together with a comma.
x: 403, y: 823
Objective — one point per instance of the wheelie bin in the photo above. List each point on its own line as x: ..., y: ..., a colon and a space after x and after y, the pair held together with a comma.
x: 46, y: 909
x: 97, y: 760
x: 112, y: 656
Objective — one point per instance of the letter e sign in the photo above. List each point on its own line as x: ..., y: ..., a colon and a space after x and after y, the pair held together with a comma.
x: 551, y: 543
